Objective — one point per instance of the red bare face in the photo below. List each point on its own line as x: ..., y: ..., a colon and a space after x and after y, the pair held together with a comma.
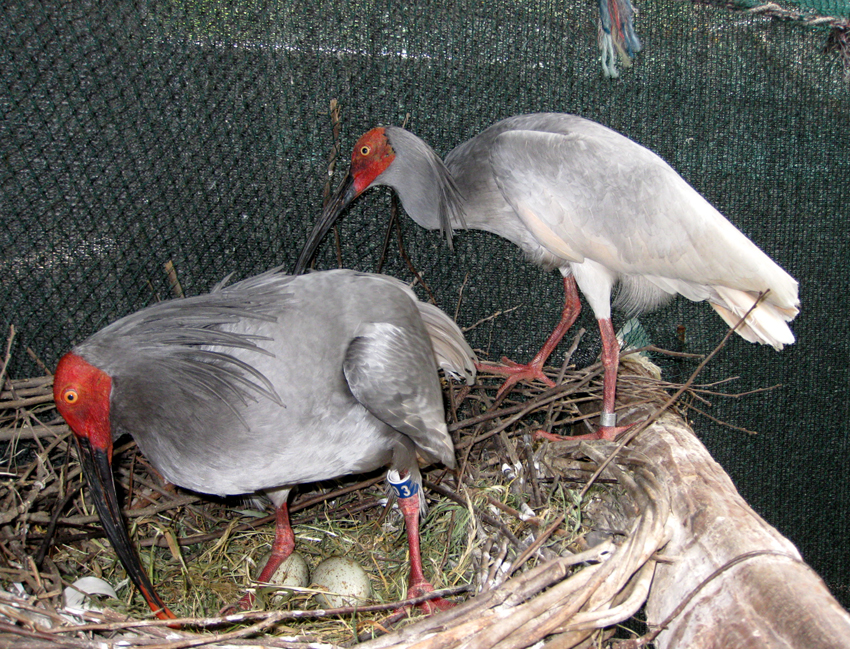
x: 371, y: 156
x: 81, y: 392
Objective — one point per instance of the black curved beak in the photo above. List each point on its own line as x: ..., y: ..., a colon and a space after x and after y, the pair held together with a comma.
x: 344, y: 194
x: 97, y: 468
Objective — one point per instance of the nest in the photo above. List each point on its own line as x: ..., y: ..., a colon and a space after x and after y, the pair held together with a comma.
x: 535, y: 540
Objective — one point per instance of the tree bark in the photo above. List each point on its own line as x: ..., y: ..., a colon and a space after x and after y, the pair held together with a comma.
x: 735, y: 581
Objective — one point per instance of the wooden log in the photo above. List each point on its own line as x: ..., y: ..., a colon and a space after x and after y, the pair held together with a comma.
x: 733, y: 581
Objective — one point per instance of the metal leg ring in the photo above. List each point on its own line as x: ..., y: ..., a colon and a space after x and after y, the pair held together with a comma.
x: 608, y: 419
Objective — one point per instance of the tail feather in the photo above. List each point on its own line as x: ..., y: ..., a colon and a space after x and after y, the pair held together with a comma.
x: 452, y: 352
x: 766, y: 324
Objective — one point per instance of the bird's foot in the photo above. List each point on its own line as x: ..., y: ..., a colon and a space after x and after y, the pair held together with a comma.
x: 430, y: 606
x: 245, y: 603
x: 515, y: 372
x: 603, y: 432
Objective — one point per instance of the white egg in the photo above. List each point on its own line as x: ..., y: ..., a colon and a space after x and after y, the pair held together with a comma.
x: 346, y: 582
x: 292, y: 572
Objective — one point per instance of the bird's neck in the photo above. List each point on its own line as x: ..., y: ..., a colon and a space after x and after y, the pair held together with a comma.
x: 426, y: 188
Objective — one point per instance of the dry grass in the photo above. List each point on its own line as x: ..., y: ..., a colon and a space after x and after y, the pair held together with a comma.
x: 514, y: 507
x: 533, y: 540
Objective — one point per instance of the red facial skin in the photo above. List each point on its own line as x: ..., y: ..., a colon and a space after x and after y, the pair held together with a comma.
x: 82, y: 395
x: 371, y: 156
x: 81, y: 392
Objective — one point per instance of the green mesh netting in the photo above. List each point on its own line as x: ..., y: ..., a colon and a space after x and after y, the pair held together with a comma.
x: 198, y: 133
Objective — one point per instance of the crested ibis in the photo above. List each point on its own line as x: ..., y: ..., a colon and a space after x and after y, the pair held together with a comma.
x: 577, y: 196
x: 268, y: 383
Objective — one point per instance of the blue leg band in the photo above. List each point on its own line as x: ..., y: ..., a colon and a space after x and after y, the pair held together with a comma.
x: 404, y: 487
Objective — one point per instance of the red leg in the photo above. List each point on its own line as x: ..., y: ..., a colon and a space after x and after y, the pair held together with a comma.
x: 534, y: 370
x: 608, y: 428
x: 610, y: 362
x: 284, y: 543
x: 418, y: 585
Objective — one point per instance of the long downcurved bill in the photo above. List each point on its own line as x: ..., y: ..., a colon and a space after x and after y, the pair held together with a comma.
x: 98, y: 471
x: 344, y: 194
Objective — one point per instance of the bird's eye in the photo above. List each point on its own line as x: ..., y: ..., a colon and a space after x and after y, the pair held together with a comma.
x: 70, y: 396
x: 365, y: 150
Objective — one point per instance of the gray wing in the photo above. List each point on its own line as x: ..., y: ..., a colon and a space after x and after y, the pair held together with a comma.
x: 191, y: 340
x: 451, y: 351
x: 596, y: 194
x: 391, y: 372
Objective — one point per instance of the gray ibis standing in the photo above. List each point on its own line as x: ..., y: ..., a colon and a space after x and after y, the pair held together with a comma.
x: 577, y: 196
x: 263, y: 385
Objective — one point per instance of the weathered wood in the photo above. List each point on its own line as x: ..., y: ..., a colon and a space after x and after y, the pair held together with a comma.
x: 758, y: 593
x: 725, y: 578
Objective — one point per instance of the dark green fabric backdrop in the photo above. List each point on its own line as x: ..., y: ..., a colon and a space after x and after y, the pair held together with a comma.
x: 198, y: 133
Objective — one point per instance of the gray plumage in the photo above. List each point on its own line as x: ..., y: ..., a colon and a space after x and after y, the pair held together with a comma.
x: 577, y: 196
x: 279, y: 380
x: 433, y: 200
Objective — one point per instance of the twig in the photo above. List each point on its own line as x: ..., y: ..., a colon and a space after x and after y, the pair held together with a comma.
x: 173, y: 282
x: 552, y: 393
x: 333, y: 155
x: 511, y: 511
x: 722, y: 423
x: 272, y: 617
x: 336, y: 126
x: 51, y: 527
x: 179, y: 501
x: 541, y: 539
x: 34, y: 432
x: 448, y: 493
x: 493, y: 316
x: 531, y: 469
x: 639, y: 428
x: 38, y: 361
x: 21, y: 385
x: 8, y: 356
x: 259, y: 522
x: 460, y: 295
x: 26, y: 403
x: 659, y: 350
x: 567, y: 357
x: 388, y: 235
x: 404, y: 256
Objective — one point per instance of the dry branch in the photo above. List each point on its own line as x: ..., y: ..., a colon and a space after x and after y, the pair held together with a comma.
x: 735, y: 581
x: 648, y: 519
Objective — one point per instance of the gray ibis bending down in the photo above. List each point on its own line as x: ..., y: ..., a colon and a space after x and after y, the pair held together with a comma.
x: 263, y: 385
x: 577, y: 196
